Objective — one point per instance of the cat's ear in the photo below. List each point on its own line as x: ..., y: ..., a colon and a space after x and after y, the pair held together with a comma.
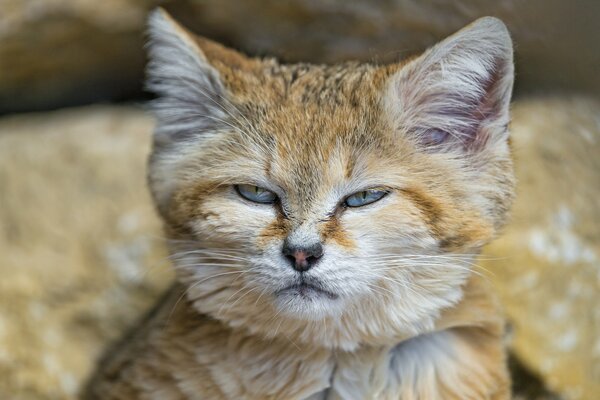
x: 456, y: 95
x: 191, y: 98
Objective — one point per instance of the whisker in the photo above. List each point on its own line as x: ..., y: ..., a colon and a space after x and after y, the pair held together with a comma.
x: 248, y: 291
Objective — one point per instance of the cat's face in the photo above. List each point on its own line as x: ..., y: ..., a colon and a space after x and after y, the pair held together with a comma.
x: 328, y: 194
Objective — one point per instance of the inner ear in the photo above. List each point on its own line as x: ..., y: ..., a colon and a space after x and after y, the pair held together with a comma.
x: 457, y: 94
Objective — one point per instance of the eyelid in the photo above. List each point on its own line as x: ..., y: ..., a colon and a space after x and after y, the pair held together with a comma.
x: 264, y: 184
x: 248, y: 197
x: 384, y: 191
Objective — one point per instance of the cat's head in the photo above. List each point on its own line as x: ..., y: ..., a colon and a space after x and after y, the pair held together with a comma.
x: 335, y: 204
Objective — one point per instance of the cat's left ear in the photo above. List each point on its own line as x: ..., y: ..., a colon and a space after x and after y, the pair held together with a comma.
x: 456, y: 95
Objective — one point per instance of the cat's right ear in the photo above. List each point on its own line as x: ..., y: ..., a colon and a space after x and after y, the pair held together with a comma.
x: 456, y: 95
x: 191, y: 98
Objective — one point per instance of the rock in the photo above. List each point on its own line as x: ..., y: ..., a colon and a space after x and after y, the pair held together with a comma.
x: 333, y: 30
x: 58, y: 52
x: 81, y: 255
x: 66, y: 52
x: 547, y: 263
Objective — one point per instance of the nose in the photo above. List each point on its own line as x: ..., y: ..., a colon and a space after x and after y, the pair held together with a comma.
x: 302, y: 258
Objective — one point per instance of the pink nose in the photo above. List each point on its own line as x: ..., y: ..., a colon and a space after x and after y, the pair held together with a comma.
x: 302, y: 258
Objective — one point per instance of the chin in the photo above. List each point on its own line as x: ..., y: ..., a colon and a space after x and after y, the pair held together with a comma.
x: 307, y: 302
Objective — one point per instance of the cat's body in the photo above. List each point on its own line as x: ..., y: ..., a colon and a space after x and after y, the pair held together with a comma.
x: 324, y: 220
x: 179, y: 354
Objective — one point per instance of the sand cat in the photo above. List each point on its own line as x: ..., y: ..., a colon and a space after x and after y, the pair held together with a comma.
x: 323, y: 221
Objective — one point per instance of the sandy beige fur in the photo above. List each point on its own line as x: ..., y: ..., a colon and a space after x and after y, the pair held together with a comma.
x: 407, y: 316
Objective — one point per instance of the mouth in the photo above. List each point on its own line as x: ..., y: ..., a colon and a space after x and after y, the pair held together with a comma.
x: 306, y: 290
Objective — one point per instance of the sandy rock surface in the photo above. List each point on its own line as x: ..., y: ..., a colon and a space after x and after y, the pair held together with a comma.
x: 547, y: 263
x: 60, y: 52
x: 81, y: 256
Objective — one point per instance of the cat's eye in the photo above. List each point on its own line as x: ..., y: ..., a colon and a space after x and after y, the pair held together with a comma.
x: 256, y: 194
x: 434, y: 137
x: 365, y: 197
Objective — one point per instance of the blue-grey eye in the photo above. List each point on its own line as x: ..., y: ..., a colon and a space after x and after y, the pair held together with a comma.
x: 434, y: 137
x: 365, y: 197
x: 256, y: 194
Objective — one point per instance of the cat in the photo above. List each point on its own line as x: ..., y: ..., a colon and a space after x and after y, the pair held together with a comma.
x: 323, y: 222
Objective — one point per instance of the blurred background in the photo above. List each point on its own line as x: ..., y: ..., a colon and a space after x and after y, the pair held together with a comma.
x: 81, y: 253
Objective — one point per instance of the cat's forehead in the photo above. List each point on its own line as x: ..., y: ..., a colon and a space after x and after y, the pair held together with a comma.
x: 311, y: 110
x: 320, y: 122
x: 268, y: 81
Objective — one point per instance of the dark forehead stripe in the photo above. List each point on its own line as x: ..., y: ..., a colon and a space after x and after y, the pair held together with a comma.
x: 453, y: 228
x: 329, y: 85
x: 431, y: 210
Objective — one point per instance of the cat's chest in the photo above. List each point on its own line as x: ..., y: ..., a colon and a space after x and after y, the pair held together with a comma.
x: 311, y: 374
x: 248, y: 368
x: 272, y: 371
x: 359, y: 375
x: 369, y: 373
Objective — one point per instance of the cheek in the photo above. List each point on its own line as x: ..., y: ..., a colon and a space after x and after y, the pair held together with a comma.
x: 396, y: 225
x: 228, y: 221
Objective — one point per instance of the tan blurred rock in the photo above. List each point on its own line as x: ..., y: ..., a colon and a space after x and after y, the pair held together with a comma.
x: 81, y: 255
x: 57, y: 52
x: 547, y: 264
